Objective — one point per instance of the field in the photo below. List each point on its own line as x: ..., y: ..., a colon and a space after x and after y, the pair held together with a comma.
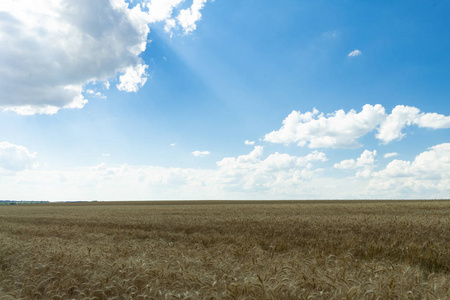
x: 226, y: 250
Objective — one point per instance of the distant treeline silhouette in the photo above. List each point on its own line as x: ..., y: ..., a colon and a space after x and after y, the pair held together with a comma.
x: 15, y: 202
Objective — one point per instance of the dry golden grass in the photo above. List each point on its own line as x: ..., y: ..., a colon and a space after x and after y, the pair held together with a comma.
x: 226, y: 250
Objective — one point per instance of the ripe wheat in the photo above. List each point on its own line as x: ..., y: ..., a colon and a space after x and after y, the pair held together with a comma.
x: 226, y: 250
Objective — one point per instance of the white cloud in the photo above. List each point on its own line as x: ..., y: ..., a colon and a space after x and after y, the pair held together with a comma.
x: 243, y: 160
x: 15, y: 158
x: 170, y: 24
x: 365, y: 163
x: 247, y: 142
x: 432, y: 120
x: 188, y: 17
x: 249, y: 176
x: 355, y: 52
x: 51, y: 49
x: 160, y: 10
x: 200, y: 153
x: 106, y: 155
x: 391, y: 128
x: 392, y: 154
x: 95, y: 94
x: 133, y: 78
x: 367, y: 159
x: 173, y: 144
x: 428, y: 175
x: 346, y: 164
x: 278, y: 173
x: 336, y: 130
x: 342, y: 130
x: 400, y: 117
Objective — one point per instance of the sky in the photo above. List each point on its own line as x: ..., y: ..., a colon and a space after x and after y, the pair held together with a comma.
x: 201, y: 99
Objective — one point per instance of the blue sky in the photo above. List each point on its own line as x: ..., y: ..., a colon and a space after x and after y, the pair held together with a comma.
x: 155, y: 99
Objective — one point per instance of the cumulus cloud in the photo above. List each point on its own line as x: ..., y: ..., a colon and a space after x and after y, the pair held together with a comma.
x: 188, y: 17
x: 200, y: 153
x: 247, y: 142
x: 342, y: 130
x: 133, y: 78
x: 243, y: 160
x: 367, y: 159
x: 51, y: 49
x: 427, y: 175
x: 355, y: 52
x: 170, y: 25
x: 391, y: 128
x: 15, y: 158
x: 392, y: 154
x: 276, y: 172
x: 365, y: 163
x: 336, y: 130
x: 160, y: 10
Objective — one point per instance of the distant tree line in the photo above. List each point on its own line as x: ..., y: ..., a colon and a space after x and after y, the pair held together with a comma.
x: 18, y: 202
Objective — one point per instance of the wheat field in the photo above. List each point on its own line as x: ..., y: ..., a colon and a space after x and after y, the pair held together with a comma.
x: 226, y: 250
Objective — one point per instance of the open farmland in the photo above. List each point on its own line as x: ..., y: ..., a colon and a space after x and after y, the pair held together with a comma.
x: 226, y: 250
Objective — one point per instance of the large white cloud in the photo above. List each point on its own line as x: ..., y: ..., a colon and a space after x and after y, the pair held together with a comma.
x: 342, y: 130
x: 391, y: 128
x: 15, y: 157
x: 428, y: 175
x: 335, y: 130
x: 49, y: 49
x: 253, y: 173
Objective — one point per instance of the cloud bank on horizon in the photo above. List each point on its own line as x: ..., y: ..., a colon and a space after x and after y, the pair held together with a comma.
x: 51, y: 49
x: 250, y: 176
